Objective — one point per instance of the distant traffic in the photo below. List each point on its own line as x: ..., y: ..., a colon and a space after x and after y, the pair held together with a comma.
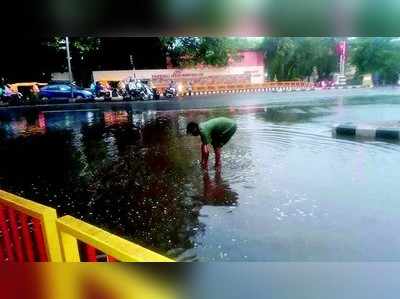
x: 63, y: 91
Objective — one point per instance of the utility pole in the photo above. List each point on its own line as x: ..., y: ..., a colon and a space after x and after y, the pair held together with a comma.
x: 68, y: 58
x: 342, y: 56
x: 132, y: 65
x: 341, y: 50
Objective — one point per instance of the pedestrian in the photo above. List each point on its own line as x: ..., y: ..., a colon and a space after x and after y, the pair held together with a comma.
x: 216, y: 132
x: 35, y: 93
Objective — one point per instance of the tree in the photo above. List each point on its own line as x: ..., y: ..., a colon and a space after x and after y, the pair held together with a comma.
x: 380, y: 56
x: 181, y: 50
x: 246, y: 43
x: 190, y: 51
x: 85, y: 52
x: 295, y: 58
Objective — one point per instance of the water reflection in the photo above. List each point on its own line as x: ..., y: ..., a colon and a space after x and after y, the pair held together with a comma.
x: 216, y: 191
x: 300, y: 114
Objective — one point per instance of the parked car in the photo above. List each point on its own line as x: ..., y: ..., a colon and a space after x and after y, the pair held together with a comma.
x: 64, y: 92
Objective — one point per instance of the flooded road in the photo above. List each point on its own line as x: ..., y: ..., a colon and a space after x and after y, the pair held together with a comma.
x: 288, y: 190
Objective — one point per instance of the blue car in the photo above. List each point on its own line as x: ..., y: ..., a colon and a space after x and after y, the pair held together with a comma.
x: 64, y: 92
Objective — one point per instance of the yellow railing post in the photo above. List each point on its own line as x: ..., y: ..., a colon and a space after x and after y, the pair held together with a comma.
x: 51, y: 237
x: 69, y: 245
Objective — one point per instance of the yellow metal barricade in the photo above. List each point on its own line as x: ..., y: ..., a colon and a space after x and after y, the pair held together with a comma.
x: 73, y: 230
x: 47, y: 217
x: 31, y: 232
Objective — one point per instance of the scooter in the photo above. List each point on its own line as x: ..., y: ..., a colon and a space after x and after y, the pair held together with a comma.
x: 146, y: 94
x: 170, y: 92
x: 105, y: 94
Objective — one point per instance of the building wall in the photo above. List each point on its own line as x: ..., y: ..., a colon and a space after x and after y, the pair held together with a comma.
x: 248, y: 58
x: 226, y: 75
x: 249, y: 69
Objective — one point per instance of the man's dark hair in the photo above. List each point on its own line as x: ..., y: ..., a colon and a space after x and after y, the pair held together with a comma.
x: 193, y: 129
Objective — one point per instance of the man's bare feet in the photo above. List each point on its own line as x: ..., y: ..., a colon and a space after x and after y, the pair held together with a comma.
x: 217, y: 152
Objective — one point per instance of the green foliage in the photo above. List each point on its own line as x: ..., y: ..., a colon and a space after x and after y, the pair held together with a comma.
x: 294, y: 58
x: 86, y: 45
x: 245, y: 43
x: 190, y: 51
x: 85, y: 55
x: 213, y: 51
x: 377, y: 55
x: 81, y: 46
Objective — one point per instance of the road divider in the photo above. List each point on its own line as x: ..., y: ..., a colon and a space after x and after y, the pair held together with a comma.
x: 369, y: 131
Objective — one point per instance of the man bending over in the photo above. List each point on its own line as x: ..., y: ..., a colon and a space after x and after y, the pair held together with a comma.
x: 216, y: 132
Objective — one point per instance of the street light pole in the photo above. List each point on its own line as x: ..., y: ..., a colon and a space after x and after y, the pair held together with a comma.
x: 68, y: 58
x: 342, y: 56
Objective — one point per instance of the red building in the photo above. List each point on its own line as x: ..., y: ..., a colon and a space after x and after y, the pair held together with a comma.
x: 248, y: 58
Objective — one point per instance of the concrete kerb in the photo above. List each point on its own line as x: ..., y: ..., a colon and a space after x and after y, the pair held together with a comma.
x: 368, y: 131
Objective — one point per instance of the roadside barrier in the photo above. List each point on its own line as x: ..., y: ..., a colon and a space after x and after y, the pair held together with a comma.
x: 242, y: 88
x: 99, y: 245
x: 28, y: 231
x: 31, y: 232
x: 367, y: 131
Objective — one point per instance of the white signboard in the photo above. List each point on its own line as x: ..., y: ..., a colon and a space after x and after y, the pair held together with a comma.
x: 251, y: 74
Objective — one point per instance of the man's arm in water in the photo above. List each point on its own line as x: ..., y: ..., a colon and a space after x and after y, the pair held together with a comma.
x: 204, y: 154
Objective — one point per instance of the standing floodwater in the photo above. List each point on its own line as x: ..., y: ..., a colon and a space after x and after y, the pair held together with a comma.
x: 288, y: 190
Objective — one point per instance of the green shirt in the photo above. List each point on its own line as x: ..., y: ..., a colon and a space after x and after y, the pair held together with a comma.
x: 217, y: 130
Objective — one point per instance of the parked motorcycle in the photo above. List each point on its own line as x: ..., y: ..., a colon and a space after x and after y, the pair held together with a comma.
x: 171, y: 92
x: 12, y: 97
x: 146, y: 93
x: 139, y: 91
x: 101, y: 91
x: 105, y: 94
